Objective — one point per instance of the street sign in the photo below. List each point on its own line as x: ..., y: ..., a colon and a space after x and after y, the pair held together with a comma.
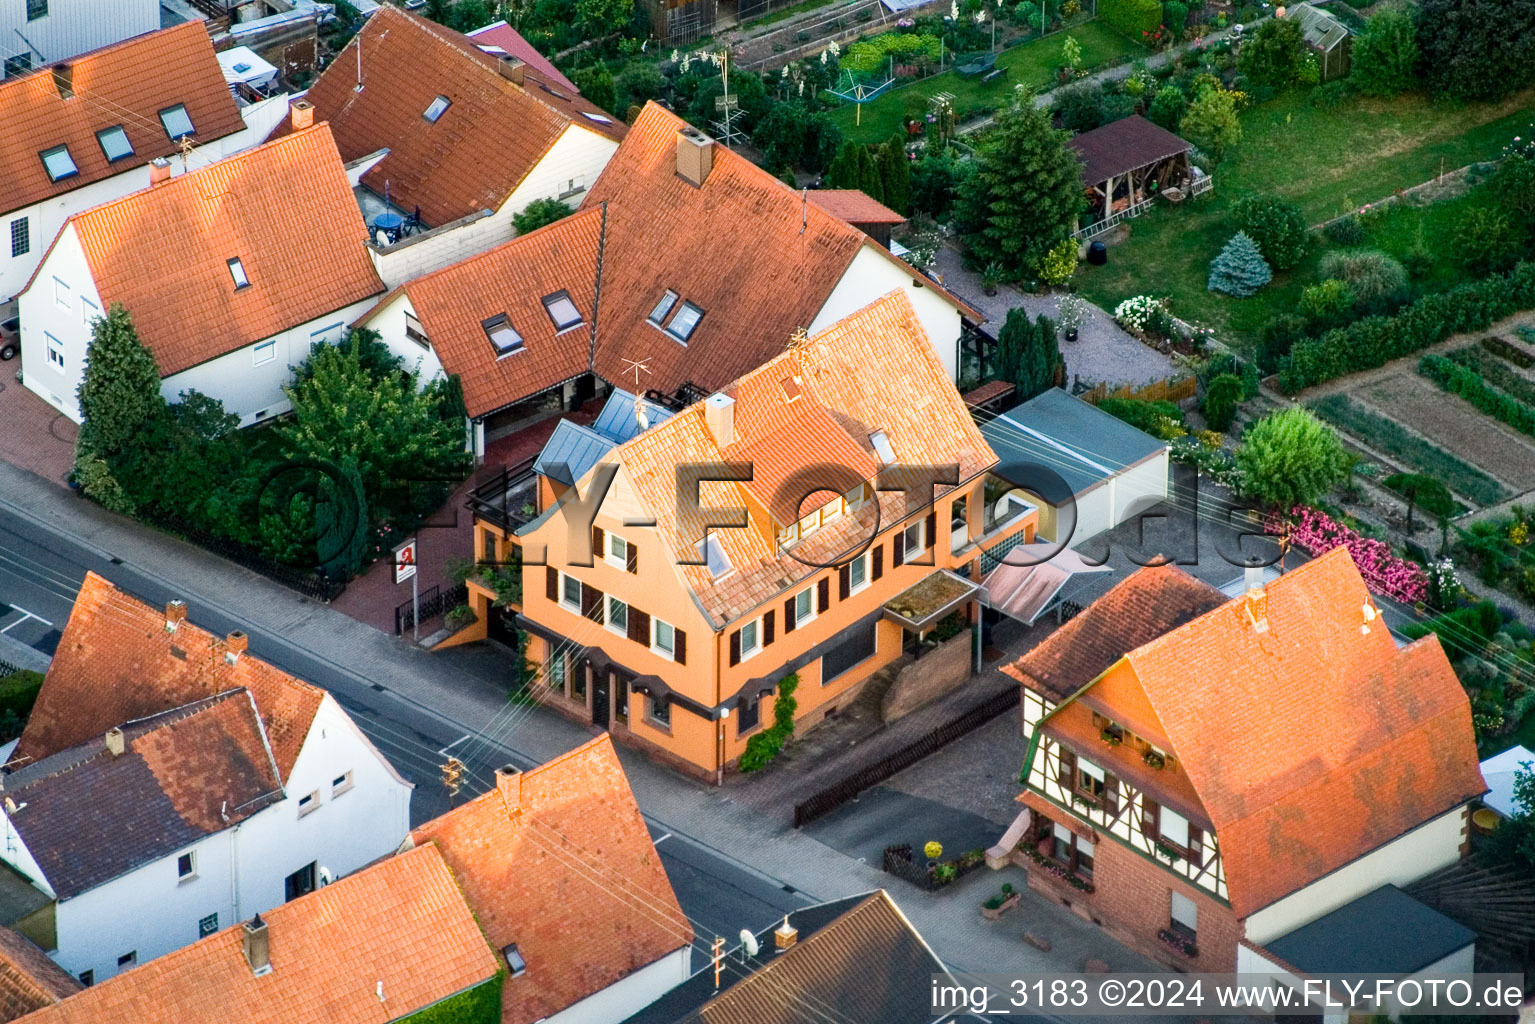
x: 405, y: 561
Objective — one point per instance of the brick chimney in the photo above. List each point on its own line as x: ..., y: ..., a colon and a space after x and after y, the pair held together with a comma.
x: 695, y: 156
x: 301, y: 115
x: 509, y: 782
x: 159, y: 171
x: 1256, y: 607
x: 175, y: 615
x: 785, y: 935
x: 257, y: 945
x: 115, y: 745
x: 720, y: 417
x: 235, y: 645
x: 64, y: 80
x: 513, y: 69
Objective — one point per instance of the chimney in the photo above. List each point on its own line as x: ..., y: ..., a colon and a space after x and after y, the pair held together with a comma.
x: 1253, y: 574
x: 159, y: 171
x: 301, y: 114
x: 235, y: 646
x: 1256, y: 607
x: 720, y: 415
x: 175, y: 615
x: 115, y: 741
x: 512, y: 69
x: 64, y: 81
x: 785, y: 935
x: 509, y: 782
x: 695, y: 156
x: 257, y: 946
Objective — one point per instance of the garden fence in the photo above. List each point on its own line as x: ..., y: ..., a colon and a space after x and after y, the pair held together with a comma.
x: 316, y: 584
x: 898, y: 861
x: 7, y: 669
x: 434, y: 602
x: 828, y: 799
x: 1167, y: 389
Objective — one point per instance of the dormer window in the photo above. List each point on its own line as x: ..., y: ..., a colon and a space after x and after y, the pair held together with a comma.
x: 438, y: 107
x: 503, y: 336
x: 881, y: 442
x: 114, y: 143
x: 58, y: 163
x: 237, y: 271
x: 177, y: 122
x: 658, y: 315
x: 714, y: 556
x: 562, y: 311
x: 683, y: 323
x: 514, y: 960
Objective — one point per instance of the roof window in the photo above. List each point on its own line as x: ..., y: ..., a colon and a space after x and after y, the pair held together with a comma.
x: 562, y: 311
x: 714, y: 556
x: 791, y: 388
x: 178, y: 124
x: 514, y: 960
x: 658, y: 315
x: 683, y: 323
x: 438, y: 107
x: 503, y: 336
x: 58, y: 163
x: 881, y: 442
x: 114, y: 143
x: 596, y: 117
x: 237, y: 271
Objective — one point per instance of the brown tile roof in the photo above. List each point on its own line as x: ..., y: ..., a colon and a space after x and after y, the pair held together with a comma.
x: 854, y: 206
x: 163, y: 252
x: 874, y: 370
x: 127, y: 84
x: 401, y: 924
x: 28, y: 979
x: 87, y: 816
x: 492, y: 134
x: 1312, y: 743
x: 564, y: 868
x: 511, y: 279
x: 1140, y: 608
x: 116, y: 663
x: 1124, y: 145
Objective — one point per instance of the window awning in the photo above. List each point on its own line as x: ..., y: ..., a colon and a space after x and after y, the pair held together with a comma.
x: 1025, y: 591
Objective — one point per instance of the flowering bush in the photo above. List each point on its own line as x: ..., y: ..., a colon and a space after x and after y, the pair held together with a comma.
x: 1140, y: 312
x: 1316, y: 532
x: 1175, y: 941
x: 1443, y: 583
x: 1057, y: 265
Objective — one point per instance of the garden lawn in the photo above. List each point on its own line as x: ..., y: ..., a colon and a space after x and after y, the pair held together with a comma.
x: 1328, y: 162
x: 1033, y: 63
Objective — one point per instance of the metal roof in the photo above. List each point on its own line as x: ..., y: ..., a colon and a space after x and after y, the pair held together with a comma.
x: 1319, y: 27
x: 1077, y: 441
x: 580, y: 448
x: 618, y: 421
x: 1382, y: 932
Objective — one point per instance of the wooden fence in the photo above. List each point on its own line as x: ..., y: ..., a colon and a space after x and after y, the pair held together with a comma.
x: 1165, y: 390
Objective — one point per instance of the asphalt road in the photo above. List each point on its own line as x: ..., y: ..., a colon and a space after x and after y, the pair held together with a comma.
x: 40, y: 573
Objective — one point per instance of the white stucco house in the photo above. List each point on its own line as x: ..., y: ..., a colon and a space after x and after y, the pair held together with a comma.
x: 81, y: 132
x: 231, y: 274
x: 36, y: 32
x: 169, y: 784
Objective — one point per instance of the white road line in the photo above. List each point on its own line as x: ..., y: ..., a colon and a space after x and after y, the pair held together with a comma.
x: 450, y: 746
x: 658, y: 841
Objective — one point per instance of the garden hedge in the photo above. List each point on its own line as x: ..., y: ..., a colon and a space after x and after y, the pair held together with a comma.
x: 1376, y: 340
x: 1468, y: 384
x: 478, y: 1005
x: 1133, y: 18
x: 18, y: 692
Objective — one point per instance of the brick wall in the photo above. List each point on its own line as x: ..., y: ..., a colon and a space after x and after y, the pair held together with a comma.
x: 1133, y: 899
x: 928, y: 678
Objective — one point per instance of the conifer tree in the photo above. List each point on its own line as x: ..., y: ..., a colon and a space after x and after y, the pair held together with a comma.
x: 895, y: 175
x: 119, y: 393
x: 1240, y: 269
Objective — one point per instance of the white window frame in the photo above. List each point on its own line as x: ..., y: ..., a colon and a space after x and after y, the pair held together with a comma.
x: 264, y: 352
x: 342, y: 783
x: 853, y: 587
x: 711, y: 543
x: 618, y: 559
x: 556, y: 299
x: 856, y: 497
x: 755, y: 625
x: 788, y: 536
x: 882, y: 447
x: 309, y: 803
x: 1184, y: 911
x: 61, y: 295
x: 237, y: 273
x: 810, y: 613
x: 565, y: 580
x: 832, y: 510
x: 1178, y: 834
x: 88, y: 311
x: 608, y: 601
x: 670, y: 654
x: 191, y: 871
x: 55, y: 351
x: 920, y: 545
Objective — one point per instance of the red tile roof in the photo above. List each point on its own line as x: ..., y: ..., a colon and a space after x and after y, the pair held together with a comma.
x: 127, y: 84
x: 1312, y: 743
x: 28, y: 979
x: 492, y: 134
x: 561, y: 864
x: 452, y: 305
x: 163, y: 252
x: 854, y: 206
x: 116, y: 663
x: 875, y: 370
x: 498, y: 34
x: 400, y: 928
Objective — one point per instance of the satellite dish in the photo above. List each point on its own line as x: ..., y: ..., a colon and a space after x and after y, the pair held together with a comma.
x: 325, y: 875
x: 749, y: 942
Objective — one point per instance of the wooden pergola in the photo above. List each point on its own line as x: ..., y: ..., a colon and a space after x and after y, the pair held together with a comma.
x: 1127, y: 164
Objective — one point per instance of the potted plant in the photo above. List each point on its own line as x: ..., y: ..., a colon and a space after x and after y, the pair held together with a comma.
x: 991, y: 276
x: 1000, y: 904
x: 1113, y: 739
x: 1154, y: 760
x: 933, y: 850
x: 1072, y: 311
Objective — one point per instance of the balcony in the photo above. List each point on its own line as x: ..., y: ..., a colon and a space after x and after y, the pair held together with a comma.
x: 509, y: 499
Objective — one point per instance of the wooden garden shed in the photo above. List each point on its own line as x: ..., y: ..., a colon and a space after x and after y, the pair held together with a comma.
x: 1125, y: 165
x: 1327, y: 37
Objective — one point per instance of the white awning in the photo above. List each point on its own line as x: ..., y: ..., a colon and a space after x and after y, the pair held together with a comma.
x: 1025, y: 591
x: 1499, y: 771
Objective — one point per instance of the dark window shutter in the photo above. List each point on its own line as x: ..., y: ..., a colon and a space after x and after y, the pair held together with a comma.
x: 879, y: 562
x: 930, y: 533
x: 1110, y: 794
x: 639, y: 626
x: 823, y: 594
x: 632, y: 558
x: 599, y: 551
x: 767, y: 627
x: 591, y: 603
x: 788, y: 616
x: 1196, y: 846
x: 552, y: 583
x: 844, y: 582
x: 679, y: 646
x: 1067, y: 773
x: 735, y: 648
x: 898, y: 548
x: 1148, y: 817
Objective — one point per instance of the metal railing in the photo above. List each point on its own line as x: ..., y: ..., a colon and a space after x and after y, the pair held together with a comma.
x: 434, y: 602
x: 492, y: 500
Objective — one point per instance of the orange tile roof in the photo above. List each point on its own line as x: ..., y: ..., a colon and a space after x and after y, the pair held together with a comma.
x: 116, y: 663
x: 163, y: 252
x: 401, y: 924
x: 127, y: 84
x: 1312, y: 743
x: 854, y: 206
x: 512, y: 279
x: 28, y: 979
x: 566, y: 870
x: 492, y: 134
x: 874, y: 370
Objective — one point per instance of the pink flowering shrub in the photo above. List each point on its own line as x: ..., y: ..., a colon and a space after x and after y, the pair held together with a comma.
x: 1316, y: 532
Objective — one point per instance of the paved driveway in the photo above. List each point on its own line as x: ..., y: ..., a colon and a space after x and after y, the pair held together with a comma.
x: 33, y: 434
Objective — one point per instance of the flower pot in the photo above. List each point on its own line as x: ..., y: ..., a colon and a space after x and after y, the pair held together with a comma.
x: 1071, y: 334
x: 989, y: 289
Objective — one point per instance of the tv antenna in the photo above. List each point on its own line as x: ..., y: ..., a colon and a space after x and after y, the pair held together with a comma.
x: 635, y: 366
x: 798, y: 339
x: 725, y: 128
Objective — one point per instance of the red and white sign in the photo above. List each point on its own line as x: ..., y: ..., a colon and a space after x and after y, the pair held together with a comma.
x: 405, y: 561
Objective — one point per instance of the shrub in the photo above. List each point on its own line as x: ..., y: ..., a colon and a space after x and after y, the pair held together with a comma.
x: 18, y: 692
x: 1272, y: 56
x: 1175, y: 16
x: 765, y: 745
x: 1481, y: 360
x: 1476, y: 49
x: 1385, y: 55
x: 1345, y: 231
x: 1222, y: 397
x: 1421, y: 491
x: 1291, y: 458
x: 1384, y: 573
x: 1276, y: 338
x: 1133, y: 18
x: 1059, y: 263
x: 539, y: 213
x: 1331, y: 95
x: 1486, y: 242
x: 1239, y: 269
x: 1468, y: 384
x: 1276, y: 225
x: 1162, y: 420
x: 1167, y: 107
x: 1326, y: 304
x: 1370, y: 274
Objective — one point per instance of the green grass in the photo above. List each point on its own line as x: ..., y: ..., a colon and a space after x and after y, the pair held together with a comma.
x: 1033, y: 64
x: 1326, y: 161
x: 1388, y: 436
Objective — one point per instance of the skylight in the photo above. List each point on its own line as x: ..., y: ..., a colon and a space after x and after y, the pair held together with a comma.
x: 881, y: 442
x: 562, y: 311
x: 714, y: 556
x: 503, y: 336
x: 437, y: 109
x: 237, y: 271
x: 514, y: 960
x: 658, y: 315
x: 114, y: 143
x: 58, y: 163
x: 791, y: 388
x: 177, y: 122
x: 683, y: 323
x: 596, y: 117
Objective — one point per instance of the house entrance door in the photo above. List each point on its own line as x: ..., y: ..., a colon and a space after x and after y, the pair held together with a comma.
x: 601, y: 688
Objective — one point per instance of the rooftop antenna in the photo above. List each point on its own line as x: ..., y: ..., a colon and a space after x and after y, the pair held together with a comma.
x: 798, y: 339
x: 725, y: 103
x: 635, y: 366
x: 804, y: 210
x: 359, y: 64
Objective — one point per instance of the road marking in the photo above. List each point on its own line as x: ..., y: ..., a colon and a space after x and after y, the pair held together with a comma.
x: 443, y: 752
x: 25, y: 616
x: 662, y: 839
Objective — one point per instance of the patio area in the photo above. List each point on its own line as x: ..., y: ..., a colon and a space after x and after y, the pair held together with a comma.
x: 37, y: 437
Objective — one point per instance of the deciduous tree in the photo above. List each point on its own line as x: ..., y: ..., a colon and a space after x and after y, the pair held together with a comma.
x: 1384, y: 58
x: 1291, y: 458
x: 1272, y: 56
x: 1211, y: 122
x: 1476, y: 49
x: 1276, y: 224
